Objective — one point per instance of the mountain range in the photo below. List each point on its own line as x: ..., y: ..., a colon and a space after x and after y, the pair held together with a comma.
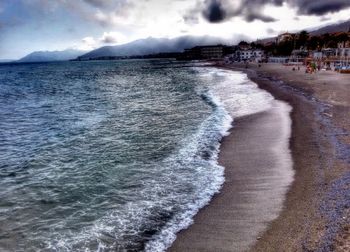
x: 45, y: 56
x: 153, y: 46
x: 340, y: 27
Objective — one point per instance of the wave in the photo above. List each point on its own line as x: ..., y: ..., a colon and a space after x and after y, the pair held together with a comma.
x: 239, y: 95
x: 173, y: 191
x: 231, y: 95
x: 107, y: 184
x: 202, y: 151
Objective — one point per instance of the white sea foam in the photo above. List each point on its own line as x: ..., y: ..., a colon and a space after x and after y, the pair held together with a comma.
x: 193, y: 167
x: 195, y: 164
x: 232, y: 95
x: 239, y: 95
x: 207, y: 139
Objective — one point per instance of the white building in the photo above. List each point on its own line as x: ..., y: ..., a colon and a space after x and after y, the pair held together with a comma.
x: 258, y: 55
x: 317, y: 55
x: 343, y: 52
x: 247, y: 55
x: 283, y: 37
x: 281, y: 60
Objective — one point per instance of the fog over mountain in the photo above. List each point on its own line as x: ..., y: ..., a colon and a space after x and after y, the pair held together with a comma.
x: 46, y: 56
x: 155, y: 45
x: 88, y: 24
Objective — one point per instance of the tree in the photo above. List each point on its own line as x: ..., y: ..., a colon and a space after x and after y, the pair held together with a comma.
x: 285, y: 48
x: 302, y: 39
x: 326, y: 39
x: 332, y: 44
x: 259, y: 46
x: 314, y: 43
x: 342, y: 37
x: 270, y: 49
x: 243, y: 43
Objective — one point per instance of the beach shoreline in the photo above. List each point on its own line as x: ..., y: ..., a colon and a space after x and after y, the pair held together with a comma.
x: 315, y: 211
x: 258, y: 171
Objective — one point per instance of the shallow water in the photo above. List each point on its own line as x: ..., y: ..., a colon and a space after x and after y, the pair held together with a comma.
x: 110, y: 155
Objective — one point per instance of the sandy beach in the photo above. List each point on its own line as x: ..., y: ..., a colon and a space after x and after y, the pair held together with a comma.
x: 258, y: 170
x: 315, y: 212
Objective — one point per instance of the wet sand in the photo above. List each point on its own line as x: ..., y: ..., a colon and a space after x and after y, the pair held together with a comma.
x: 315, y: 213
x: 258, y: 171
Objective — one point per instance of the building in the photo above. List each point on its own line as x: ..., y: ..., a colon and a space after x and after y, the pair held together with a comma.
x: 326, y: 53
x: 212, y: 52
x: 345, y: 43
x: 204, y: 52
x: 282, y: 60
x: 284, y: 37
x: 329, y: 52
x: 256, y: 55
x: 243, y: 55
x: 317, y: 55
x: 343, y: 52
x: 299, y: 55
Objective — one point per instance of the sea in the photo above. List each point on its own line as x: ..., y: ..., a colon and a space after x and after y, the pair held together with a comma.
x: 112, y: 155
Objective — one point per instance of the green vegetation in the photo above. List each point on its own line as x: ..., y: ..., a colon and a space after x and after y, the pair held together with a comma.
x: 303, y: 40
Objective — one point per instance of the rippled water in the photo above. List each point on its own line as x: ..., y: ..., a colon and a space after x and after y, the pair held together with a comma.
x: 104, y: 155
x: 112, y: 155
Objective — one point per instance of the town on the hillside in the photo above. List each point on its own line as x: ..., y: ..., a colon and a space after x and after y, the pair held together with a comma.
x: 327, y: 51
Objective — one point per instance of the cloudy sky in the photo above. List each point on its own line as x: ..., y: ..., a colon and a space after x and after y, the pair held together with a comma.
x: 31, y: 25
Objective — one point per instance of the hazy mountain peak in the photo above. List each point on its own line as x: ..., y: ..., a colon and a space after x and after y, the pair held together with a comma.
x: 152, y: 45
x: 44, y: 56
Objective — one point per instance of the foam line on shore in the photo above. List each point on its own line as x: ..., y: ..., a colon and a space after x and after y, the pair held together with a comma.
x: 258, y: 171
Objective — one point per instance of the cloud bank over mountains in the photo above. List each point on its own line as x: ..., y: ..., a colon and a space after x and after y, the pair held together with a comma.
x: 153, y: 45
x: 35, y: 25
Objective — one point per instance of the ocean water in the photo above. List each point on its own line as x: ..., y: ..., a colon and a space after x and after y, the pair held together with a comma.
x: 112, y: 155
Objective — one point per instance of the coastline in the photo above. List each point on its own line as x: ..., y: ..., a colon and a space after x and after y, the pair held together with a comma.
x: 316, y: 206
x: 316, y: 212
x: 258, y: 171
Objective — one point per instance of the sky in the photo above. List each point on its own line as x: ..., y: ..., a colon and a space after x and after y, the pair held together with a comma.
x: 40, y: 25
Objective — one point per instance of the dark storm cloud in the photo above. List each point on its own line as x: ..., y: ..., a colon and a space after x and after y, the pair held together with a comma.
x: 252, y: 16
x: 215, y: 11
x: 97, y: 3
x: 263, y: 2
x: 319, y: 7
x: 108, y: 39
x: 108, y: 4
